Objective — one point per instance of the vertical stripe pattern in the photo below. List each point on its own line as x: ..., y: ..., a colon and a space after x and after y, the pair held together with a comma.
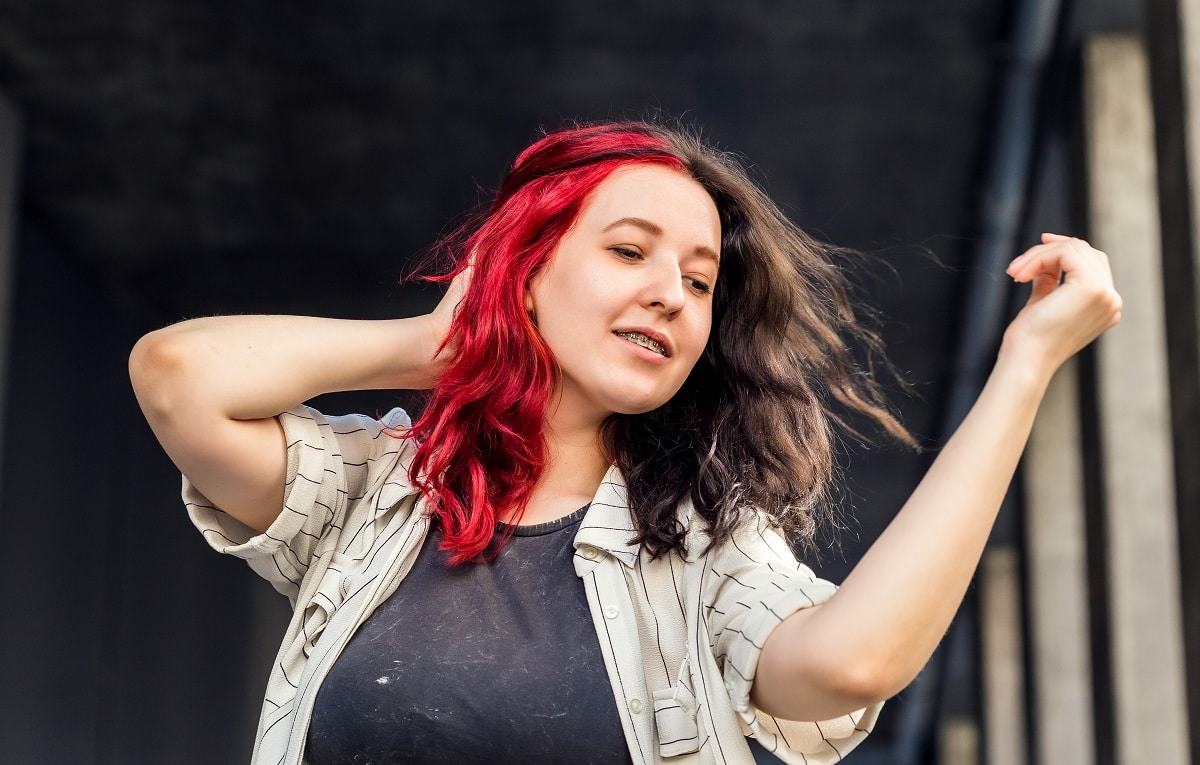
x: 680, y: 636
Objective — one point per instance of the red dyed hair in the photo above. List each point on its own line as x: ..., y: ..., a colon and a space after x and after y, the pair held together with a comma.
x: 480, y: 448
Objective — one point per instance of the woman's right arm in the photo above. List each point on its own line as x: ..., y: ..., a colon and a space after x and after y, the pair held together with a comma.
x: 211, y: 389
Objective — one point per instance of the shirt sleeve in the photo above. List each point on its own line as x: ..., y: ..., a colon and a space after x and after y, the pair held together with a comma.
x: 753, y: 583
x: 340, y: 472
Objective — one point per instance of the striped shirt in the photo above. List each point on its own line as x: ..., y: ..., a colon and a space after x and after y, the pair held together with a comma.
x: 680, y: 635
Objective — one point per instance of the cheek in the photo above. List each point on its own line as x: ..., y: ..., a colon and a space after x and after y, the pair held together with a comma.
x: 559, y: 292
x: 704, y: 330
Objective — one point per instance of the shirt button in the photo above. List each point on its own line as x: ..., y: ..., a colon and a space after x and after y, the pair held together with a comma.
x: 588, y: 552
x: 612, y: 612
x: 635, y: 706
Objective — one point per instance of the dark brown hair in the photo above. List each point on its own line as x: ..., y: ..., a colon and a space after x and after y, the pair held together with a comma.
x: 754, y: 425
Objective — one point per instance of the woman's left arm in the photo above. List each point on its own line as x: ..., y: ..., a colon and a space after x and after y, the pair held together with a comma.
x: 872, y: 638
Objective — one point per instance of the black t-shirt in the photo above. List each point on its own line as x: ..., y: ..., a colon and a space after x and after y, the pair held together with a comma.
x: 487, y: 663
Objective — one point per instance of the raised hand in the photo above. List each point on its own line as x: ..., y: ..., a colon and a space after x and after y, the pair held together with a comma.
x: 437, y: 324
x: 1072, y: 301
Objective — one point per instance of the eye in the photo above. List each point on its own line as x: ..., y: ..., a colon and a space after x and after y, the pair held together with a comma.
x: 699, y: 285
x: 626, y: 253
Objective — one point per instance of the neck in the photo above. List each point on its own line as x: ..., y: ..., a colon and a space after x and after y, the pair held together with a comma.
x: 575, y: 466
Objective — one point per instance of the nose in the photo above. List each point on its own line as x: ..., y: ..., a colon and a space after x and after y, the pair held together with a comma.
x: 664, y: 290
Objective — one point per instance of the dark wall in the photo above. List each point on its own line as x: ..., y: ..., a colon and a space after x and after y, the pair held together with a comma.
x: 122, y: 640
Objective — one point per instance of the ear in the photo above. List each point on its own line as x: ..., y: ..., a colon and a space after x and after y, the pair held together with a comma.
x: 529, y: 304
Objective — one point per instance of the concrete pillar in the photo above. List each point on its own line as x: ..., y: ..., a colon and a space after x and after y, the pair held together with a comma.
x: 1186, y: 390
x: 10, y: 152
x: 1134, y: 410
x: 1003, y: 659
x: 1055, y: 543
x: 958, y: 742
x: 1173, y: 39
x: 1189, y: 53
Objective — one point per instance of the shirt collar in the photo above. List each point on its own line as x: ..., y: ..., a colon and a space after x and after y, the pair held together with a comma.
x: 608, y: 524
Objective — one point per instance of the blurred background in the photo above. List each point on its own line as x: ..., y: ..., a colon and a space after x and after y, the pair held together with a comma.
x: 163, y: 159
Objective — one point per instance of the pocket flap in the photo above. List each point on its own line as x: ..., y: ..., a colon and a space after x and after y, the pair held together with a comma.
x: 330, y: 593
x: 675, y: 718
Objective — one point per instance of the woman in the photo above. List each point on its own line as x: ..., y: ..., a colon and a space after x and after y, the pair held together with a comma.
x: 574, y: 554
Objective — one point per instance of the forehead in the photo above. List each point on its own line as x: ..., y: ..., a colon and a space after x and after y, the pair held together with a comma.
x: 666, y: 197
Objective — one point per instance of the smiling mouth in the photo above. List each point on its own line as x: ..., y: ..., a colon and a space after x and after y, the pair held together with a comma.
x: 639, y: 339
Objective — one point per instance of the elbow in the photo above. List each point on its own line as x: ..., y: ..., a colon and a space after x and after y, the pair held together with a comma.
x: 863, y: 682
x: 870, y: 668
x: 824, y: 688
x: 841, y: 668
x: 157, y: 366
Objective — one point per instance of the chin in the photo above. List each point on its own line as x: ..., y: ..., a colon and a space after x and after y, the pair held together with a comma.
x: 624, y: 396
x: 639, y: 406
x: 637, y: 409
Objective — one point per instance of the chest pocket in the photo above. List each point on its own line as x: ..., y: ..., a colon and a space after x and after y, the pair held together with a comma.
x: 675, y: 716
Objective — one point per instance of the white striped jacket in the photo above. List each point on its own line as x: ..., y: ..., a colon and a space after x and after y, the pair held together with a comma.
x: 680, y: 636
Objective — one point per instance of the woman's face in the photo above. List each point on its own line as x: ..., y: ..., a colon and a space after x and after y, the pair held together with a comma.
x: 625, y: 303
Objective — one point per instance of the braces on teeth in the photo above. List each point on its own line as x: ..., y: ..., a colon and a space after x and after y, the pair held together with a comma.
x: 644, y: 341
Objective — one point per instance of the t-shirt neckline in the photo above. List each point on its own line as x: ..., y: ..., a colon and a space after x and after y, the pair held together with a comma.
x: 538, y: 529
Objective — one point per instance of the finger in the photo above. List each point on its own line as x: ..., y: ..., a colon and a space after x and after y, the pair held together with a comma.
x: 1083, y: 261
x: 1041, y: 258
x: 1019, y: 267
x: 1074, y: 257
x: 1043, y: 285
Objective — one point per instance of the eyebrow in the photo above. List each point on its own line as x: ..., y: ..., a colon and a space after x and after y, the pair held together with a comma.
x: 651, y: 227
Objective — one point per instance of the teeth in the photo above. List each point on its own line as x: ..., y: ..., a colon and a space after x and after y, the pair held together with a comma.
x: 644, y: 341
